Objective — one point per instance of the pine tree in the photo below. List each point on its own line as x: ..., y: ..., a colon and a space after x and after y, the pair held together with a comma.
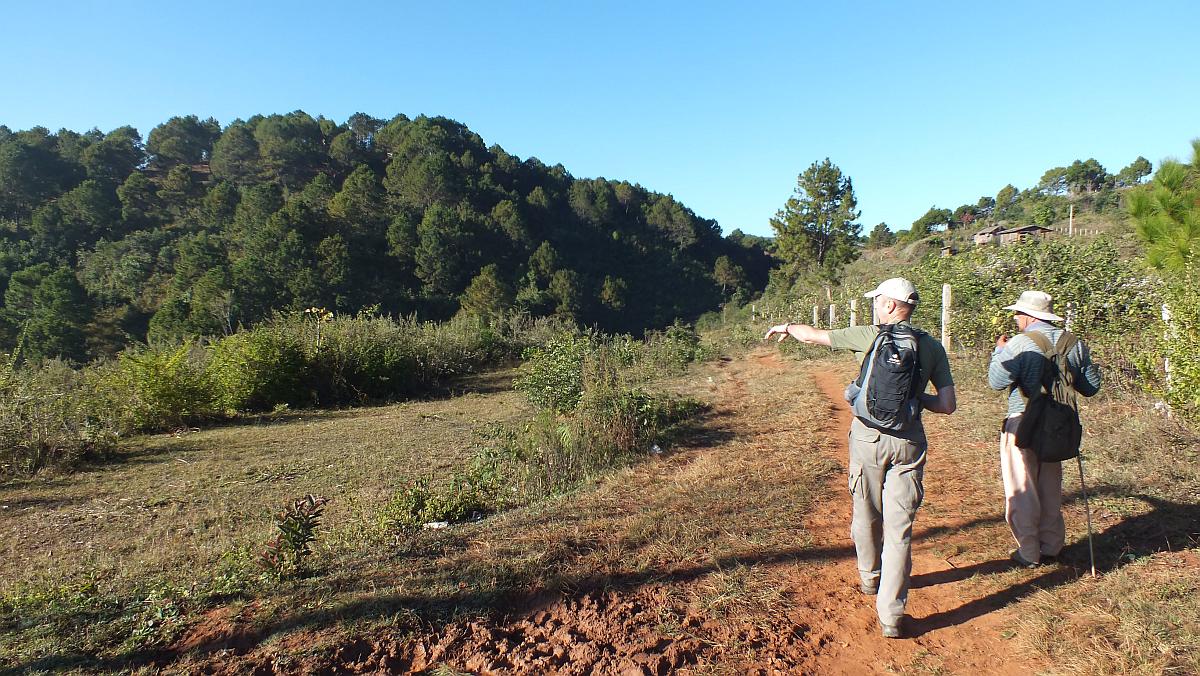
x: 816, y: 228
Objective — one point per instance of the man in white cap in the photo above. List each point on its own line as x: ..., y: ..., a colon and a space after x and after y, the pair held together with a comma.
x: 1033, y: 489
x: 887, y: 458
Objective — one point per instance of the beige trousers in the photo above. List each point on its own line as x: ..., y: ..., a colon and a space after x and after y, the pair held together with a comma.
x: 886, y: 477
x: 1032, y: 497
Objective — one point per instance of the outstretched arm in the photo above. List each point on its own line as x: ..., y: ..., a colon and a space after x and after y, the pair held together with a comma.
x: 801, y: 332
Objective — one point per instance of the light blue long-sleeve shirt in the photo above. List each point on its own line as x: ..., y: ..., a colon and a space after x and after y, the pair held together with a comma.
x: 1018, y: 367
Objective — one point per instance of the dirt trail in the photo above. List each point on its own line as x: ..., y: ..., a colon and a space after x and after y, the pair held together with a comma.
x: 645, y: 623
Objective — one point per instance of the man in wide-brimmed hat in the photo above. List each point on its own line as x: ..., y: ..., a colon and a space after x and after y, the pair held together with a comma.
x: 1033, y: 489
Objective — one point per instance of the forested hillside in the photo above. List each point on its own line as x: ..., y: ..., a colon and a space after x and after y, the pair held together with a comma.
x: 106, y: 240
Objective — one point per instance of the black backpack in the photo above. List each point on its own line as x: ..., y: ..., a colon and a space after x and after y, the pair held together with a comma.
x: 1050, y: 424
x: 884, y: 395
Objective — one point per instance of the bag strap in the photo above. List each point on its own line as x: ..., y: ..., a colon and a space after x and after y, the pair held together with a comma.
x: 1057, y: 354
x: 864, y: 371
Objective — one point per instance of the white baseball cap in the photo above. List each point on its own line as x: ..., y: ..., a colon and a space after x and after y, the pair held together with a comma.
x: 896, y: 288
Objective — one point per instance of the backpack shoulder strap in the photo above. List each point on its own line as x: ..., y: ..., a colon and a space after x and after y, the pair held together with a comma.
x: 1042, y: 342
x: 1066, y: 343
x: 864, y: 370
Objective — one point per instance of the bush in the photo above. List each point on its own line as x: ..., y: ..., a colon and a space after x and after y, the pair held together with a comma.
x: 416, y: 504
x: 611, y: 426
x: 259, y: 369
x: 1105, y: 293
x: 1181, y: 347
x: 594, y: 416
x: 676, y: 347
x: 51, y: 414
x: 297, y: 529
x: 164, y: 386
x: 48, y: 418
x: 552, y: 375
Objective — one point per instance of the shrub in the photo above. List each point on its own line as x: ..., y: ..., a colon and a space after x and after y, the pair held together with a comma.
x: 416, y: 504
x: 1181, y: 347
x: 1104, y: 293
x: 259, y: 369
x: 164, y: 386
x: 675, y: 348
x: 47, y: 418
x: 611, y: 426
x: 297, y: 525
x: 552, y: 375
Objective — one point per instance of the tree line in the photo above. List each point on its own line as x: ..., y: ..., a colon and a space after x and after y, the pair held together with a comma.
x: 817, y: 232
x: 1084, y: 184
x: 107, y: 240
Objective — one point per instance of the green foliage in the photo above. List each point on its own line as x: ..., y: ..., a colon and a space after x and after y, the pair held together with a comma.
x: 933, y: 220
x: 164, y: 386
x: 1105, y: 293
x: 1134, y: 173
x: 52, y: 310
x: 415, y: 216
x: 1043, y: 214
x: 816, y: 227
x: 552, y: 375
x: 416, y: 504
x: 488, y: 296
x: 676, y: 347
x: 259, y: 369
x: 880, y: 237
x: 182, y: 140
x: 53, y: 415
x: 1167, y: 213
x: 297, y: 525
x: 1181, y: 346
x: 49, y: 416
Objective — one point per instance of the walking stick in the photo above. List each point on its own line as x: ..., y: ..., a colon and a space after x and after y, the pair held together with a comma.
x: 1088, y: 511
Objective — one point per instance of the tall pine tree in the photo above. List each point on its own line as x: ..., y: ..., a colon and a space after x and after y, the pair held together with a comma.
x: 815, y: 231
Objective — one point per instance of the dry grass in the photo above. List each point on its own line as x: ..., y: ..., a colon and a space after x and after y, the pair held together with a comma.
x: 181, y: 517
x: 179, y: 513
x: 1141, y: 619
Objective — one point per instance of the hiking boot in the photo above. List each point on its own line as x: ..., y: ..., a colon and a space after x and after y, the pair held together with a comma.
x: 891, y: 630
x: 1020, y: 560
x: 869, y: 590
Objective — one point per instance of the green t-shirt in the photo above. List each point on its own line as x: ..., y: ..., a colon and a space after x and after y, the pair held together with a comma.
x: 933, y: 364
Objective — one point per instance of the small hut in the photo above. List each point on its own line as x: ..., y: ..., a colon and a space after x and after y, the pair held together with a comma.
x: 1023, y: 232
x: 988, y: 235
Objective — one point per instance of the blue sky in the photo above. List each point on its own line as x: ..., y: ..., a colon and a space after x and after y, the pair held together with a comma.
x: 722, y: 106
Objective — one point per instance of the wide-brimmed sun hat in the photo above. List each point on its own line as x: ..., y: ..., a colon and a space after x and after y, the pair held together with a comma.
x: 896, y: 288
x: 1037, y: 304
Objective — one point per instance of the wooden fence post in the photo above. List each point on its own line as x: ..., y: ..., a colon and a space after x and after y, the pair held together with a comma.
x: 946, y: 298
x: 816, y: 317
x: 853, y: 312
x: 832, y: 316
x: 1166, y: 316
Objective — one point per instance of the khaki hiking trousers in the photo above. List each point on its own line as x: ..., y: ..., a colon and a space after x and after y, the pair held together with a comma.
x: 1032, y: 497
x: 886, y: 475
